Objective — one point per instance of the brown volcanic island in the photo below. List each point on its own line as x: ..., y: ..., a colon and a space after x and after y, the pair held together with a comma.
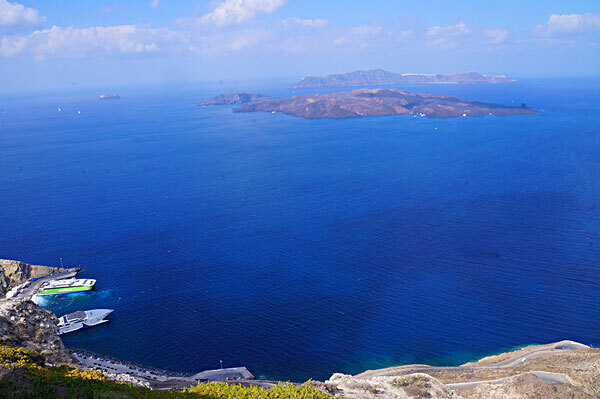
x: 371, y: 102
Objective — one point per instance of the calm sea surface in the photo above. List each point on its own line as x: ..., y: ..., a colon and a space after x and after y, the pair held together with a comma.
x: 299, y: 248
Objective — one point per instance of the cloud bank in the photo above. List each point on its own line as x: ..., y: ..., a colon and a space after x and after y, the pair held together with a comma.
x: 231, y: 28
x: 15, y: 16
x: 304, y: 23
x: 446, y: 36
x: 559, y: 24
x: 496, y: 36
x: 74, y: 42
x: 238, y: 11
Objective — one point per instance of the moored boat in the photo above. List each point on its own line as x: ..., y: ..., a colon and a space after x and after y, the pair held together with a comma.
x: 66, y: 286
x: 82, y: 318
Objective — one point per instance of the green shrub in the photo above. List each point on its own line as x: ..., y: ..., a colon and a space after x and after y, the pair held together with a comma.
x: 237, y: 391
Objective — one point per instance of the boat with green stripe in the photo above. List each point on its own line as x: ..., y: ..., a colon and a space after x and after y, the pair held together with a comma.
x: 66, y: 286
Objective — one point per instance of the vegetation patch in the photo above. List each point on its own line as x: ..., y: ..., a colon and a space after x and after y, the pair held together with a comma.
x: 280, y: 391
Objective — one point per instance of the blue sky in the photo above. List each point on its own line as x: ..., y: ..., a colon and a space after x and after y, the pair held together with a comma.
x: 61, y: 43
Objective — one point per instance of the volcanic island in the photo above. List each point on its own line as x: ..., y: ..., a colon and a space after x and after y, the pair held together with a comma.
x: 367, y: 102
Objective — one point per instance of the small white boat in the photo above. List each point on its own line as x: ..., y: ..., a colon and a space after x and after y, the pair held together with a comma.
x: 80, y: 319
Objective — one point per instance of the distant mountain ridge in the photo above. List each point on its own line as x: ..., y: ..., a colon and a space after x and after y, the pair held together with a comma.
x: 381, y: 77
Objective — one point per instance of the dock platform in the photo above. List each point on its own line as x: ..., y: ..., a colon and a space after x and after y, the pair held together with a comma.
x: 28, y: 289
x: 237, y: 373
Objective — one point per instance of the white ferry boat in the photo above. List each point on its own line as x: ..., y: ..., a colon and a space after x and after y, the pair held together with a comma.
x: 66, y: 286
x: 82, y: 318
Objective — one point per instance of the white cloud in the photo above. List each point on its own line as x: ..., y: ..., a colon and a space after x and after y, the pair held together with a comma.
x: 304, y: 23
x: 357, y: 36
x: 496, y: 36
x: 446, y: 36
x: 368, y: 38
x: 154, y: 3
x: 75, y: 42
x: 291, y: 36
x: 570, y: 23
x: 97, y: 41
x: 453, y: 30
x: 17, y: 16
x: 238, y: 11
x: 365, y: 30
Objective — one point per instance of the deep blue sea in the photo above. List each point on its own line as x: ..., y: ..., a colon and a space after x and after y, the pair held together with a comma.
x: 299, y: 248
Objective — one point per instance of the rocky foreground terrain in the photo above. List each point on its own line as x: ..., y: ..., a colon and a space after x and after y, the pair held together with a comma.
x: 13, y: 273
x: 564, y: 369
x: 379, y: 77
x: 378, y: 102
x: 26, y: 325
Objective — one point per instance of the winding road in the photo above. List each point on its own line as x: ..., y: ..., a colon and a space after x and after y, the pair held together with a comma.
x: 511, y: 362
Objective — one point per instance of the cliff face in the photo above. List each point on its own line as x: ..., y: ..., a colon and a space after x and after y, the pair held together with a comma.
x: 25, y: 324
x: 13, y: 273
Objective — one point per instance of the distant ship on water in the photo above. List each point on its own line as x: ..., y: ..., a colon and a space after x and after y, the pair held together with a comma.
x: 109, y: 97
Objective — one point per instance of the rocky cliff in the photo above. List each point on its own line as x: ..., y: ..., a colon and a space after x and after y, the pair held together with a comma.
x: 25, y: 324
x: 13, y: 273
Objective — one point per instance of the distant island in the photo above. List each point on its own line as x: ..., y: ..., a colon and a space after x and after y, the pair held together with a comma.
x: 371, y: 102
x: 232, y: 99
x: 381, y: 77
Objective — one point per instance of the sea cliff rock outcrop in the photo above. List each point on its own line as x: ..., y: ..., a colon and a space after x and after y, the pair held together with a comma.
x: 25, y: 324
x: 14, y: 272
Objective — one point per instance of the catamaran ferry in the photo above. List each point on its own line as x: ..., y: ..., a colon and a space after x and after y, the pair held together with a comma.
x: 82, y: 318
x: 66, y: 286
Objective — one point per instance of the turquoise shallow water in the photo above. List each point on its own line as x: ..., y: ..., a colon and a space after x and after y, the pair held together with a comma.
x: 299, y: 248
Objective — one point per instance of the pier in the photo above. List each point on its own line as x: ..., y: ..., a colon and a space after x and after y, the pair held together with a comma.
x: 28, y: 289
x: 228, y: 374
